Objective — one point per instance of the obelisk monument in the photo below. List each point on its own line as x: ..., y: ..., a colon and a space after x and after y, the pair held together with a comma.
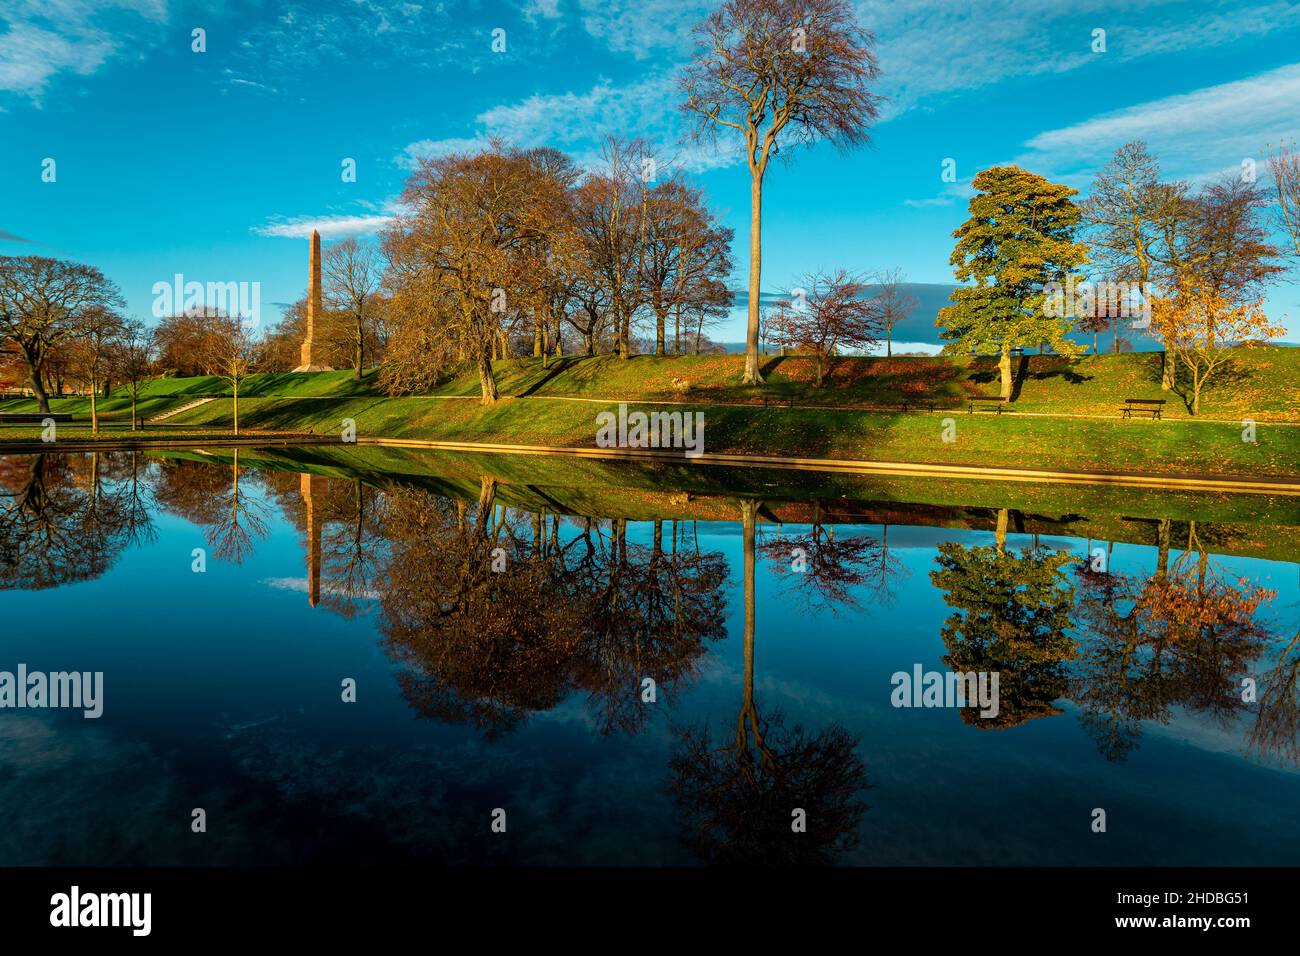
x: 309, y: 485
x: 315, y: 309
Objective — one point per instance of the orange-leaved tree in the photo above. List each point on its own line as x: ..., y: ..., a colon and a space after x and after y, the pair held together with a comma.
x: 1200, y: 326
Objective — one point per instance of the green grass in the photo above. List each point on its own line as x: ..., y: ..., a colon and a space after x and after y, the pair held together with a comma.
x: 1111, y: 445
x: 828, y: 422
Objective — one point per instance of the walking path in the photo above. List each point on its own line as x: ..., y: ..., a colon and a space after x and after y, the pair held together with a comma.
x: 894, y: 468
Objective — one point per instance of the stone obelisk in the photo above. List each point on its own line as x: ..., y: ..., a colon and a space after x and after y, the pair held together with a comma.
x: 315, y: 309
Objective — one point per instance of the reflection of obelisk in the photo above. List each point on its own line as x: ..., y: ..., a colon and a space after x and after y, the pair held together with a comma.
x: 315, y: 309
x: 307, y: 484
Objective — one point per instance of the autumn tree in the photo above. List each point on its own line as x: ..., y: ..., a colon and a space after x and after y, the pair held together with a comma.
x: 1200, y: 326
x: 831, y: 311
x: 471, y: 247
x: 350, y: 276
x: 1020, y: 236
x: 612, y: 217
x: 779, y: 73
x: 41, y: 303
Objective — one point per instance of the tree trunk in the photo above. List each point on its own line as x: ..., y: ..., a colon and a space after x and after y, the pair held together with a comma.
x: 38, y: 385
x: 1004, y: 371
x: 235, y: 386
x: 361, y: 349
x: 486, y: 380
x: 752, y: 374
x: 537, y: 337
x: 1166, y: 372
x: 134, y: 390
x: 1000, y: 535
x: 660, y: 321
x: 889, y: 339
x: 94, y: 405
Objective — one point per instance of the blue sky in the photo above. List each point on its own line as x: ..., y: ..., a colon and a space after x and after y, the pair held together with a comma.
x: 217, y: 165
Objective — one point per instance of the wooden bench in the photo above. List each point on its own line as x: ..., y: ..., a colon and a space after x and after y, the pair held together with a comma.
x: 907, y: 404
x: 37, y: 418
x: 1153, y: 405
x: 988, y: 404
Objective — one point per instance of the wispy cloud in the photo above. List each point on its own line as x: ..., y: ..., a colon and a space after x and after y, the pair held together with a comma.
x: 1196, y: 134
x: 10, y: 237
x: 48, y: 37
x: 329, y: 227
x: 574, y: 121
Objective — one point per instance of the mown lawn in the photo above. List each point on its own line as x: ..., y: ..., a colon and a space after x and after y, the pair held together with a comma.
x: 1111, y: 445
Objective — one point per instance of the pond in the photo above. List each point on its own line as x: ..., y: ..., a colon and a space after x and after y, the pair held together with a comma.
x: 366, y: 655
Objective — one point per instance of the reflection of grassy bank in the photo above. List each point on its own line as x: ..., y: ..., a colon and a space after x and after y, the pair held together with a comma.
x: 1009, y: 441
x: 1250, y: 525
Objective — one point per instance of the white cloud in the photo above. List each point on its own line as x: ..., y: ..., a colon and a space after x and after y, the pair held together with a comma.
x: 575, y: 122
x: 50, y: 37
x: 330, y: 227
x: 934, y: 47
x: 1196, y: 134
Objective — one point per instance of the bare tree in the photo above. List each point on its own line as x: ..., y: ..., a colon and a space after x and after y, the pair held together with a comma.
x: 133, y: 359
x: 229, y: 351
x: 1284, y: 167
x: 833, y: 312
x: 97, y: 336
x: 351, y: 280
x: 778, y: 72
x: 893, y: 304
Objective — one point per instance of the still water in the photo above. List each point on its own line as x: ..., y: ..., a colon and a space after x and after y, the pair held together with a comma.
x: 361, y: 656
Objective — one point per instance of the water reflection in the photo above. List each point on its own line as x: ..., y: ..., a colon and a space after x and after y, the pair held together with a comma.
x: 496, y: 616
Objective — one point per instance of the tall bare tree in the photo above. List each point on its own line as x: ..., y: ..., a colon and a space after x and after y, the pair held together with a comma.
x: 351, y: 280
x: 779, y: 73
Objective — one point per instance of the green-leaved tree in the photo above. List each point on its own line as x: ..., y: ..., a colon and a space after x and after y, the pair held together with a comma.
x: 1020, y: 236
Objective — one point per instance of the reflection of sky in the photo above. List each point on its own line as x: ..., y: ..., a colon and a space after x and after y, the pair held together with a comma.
x: 222, y: 691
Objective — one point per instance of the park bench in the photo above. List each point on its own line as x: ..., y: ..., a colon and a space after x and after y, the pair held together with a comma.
x: 1153, y: 405
x: 907, y: 404
x: 988, y: 404
x: 28, y: 418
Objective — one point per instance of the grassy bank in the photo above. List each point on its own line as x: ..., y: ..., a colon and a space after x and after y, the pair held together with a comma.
x: 852, y: 417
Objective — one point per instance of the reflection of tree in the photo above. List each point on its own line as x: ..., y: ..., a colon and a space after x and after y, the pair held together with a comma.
x: 1013, y: 612
x: 828, y: 571
x: 595, y: 612
x: 239, y: 523
x: 1177, y: 638
x: 352, y: 546
x: 67, y: 518
x: 1276, y: 730
x: 648, y: 612
x: 737, y: 802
